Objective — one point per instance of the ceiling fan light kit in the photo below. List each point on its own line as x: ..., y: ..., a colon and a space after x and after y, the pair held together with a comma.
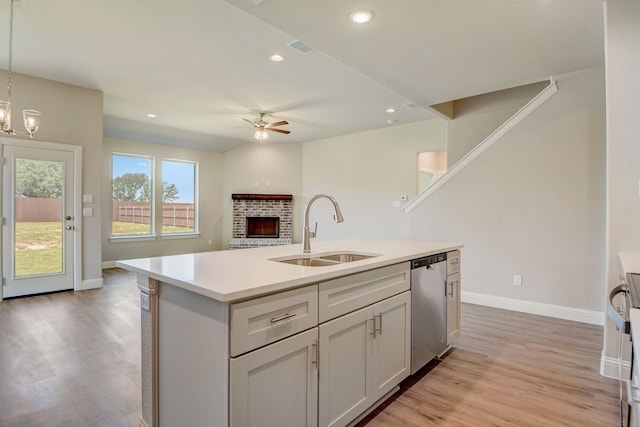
x: 263, y: 126
x: 261, y: 135
x: 31, y: 117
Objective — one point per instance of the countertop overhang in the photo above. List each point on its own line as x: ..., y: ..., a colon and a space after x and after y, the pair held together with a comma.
x: 233, y: 275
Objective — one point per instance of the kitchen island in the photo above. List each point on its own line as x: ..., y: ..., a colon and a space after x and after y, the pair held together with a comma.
x: 242, y: 338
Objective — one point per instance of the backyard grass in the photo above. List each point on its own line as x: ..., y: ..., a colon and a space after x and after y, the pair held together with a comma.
x: 39, y: 244
x: 38, y: 248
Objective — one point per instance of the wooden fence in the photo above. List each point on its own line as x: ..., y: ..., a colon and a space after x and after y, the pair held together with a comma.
x: 173, y: 214
x: 33, y: 209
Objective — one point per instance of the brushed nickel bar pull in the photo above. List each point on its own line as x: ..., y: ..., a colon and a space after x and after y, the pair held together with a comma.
x: 284, y: 317
x: 314, y: 360
x: 373, y: 326
x: 379, y: 328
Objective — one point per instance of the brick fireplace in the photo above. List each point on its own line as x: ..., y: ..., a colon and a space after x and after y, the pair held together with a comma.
x: 261, y: 220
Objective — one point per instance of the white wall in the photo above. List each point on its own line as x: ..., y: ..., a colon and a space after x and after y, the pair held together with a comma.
x: 70, y: 115
x: 478, y: 116
x: 366, y: 172
x: 622, y: 44
x: 209, y: 207
x: 533, y: 204
x: 267, y: 168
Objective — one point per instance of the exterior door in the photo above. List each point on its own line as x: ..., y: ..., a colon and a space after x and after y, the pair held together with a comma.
x: 38, y: 223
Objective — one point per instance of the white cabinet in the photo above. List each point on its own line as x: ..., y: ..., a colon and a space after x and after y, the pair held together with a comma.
x: 453, y: 307
x: 452, y: 290
x: 276, y: 385
x: 363, y: 356
x: 346, y: 294
x: 260, y: 321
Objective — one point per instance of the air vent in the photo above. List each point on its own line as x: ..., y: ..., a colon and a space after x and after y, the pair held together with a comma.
x: 410, y: 104
x: 301, y: 47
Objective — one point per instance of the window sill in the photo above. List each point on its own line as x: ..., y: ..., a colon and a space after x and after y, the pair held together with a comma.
x: 127, y: 239
x: 180, y: 236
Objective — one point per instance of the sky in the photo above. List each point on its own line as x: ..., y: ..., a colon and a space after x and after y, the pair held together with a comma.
x: 179, y: 173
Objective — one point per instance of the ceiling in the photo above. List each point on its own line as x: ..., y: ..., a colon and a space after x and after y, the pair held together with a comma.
x: 203, y: 65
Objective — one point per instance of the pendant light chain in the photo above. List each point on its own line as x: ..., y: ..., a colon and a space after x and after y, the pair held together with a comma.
x: 10, y: 71
x: 31, y: 117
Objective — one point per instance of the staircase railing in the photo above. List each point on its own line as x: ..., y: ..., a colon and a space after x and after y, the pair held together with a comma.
x: 495, y: 136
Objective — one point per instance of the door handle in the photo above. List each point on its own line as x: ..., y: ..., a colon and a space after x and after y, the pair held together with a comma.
x: 68, y: 217
x: 69, y: 227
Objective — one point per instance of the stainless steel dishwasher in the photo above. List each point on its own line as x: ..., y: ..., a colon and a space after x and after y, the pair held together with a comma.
x: 428, y: 309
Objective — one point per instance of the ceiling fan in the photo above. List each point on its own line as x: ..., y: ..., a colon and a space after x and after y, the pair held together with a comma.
x: 262, y: 127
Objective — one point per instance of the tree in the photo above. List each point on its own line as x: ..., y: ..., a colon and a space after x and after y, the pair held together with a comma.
x: 38, y: 178
x: 169, y: 192
x: 132, y: 187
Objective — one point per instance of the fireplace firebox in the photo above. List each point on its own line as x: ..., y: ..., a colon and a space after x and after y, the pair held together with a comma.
x: 263, y: 227
x: 261, y: 220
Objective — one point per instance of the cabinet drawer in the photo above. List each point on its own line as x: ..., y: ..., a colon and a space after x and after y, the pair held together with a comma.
x: 349, y: 293
x: 453, y: 262
x: 264, y: 320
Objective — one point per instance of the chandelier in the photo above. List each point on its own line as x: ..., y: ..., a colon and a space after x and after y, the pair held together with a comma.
x: 31, y: 117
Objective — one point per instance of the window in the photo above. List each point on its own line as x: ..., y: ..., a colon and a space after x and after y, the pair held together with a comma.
x: 132, y: 213
x: 135, y: 189
x: 178, y: 197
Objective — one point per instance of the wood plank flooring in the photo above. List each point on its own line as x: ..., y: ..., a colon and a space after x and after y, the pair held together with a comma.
x: 73, y: 359
x: 510, y: 369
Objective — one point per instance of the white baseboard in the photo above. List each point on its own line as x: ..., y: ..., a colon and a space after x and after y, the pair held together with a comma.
x: 91, y: 284
x: 108, y: 264
x: 550, y: 310
x: 609, y: 367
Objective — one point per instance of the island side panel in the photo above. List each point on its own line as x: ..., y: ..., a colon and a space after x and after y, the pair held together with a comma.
x: 149, y: 349
x: 192, y: 359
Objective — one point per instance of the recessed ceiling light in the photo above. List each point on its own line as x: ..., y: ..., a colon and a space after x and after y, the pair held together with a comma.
x: 276, y: 57
x: 391, y: 110
x: 361, y: 16
x: 151, y: 116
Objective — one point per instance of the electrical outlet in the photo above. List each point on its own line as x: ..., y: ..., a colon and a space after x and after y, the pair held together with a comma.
x: 517, y: 280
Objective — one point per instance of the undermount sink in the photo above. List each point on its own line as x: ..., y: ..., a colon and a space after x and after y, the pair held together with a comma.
x: 308, y: 262
x: 347, y: 257
x: 324, y: 260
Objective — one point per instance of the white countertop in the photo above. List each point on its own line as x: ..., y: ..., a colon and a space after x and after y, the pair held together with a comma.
x: 233, y: 275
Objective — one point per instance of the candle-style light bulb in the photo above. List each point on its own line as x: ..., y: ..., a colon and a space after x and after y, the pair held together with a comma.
x: 31, y: 121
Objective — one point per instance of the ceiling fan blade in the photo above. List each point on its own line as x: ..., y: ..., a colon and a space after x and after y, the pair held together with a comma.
x: 249, y: 121
x: 286, y: 132
x: 282, y: 123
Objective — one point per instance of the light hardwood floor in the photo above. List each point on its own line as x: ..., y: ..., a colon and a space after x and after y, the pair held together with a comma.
x: 73, y: 359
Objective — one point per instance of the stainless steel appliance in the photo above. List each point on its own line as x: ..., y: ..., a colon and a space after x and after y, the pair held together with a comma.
x: 428, y: 309
x: 620, y: 314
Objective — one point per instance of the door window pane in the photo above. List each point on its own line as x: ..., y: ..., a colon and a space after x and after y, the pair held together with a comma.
x: 38, y: 217
x: 132, y: 212
x: 178, y: 197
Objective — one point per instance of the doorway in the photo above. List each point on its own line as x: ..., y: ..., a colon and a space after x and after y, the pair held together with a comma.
x: 40, y: 240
